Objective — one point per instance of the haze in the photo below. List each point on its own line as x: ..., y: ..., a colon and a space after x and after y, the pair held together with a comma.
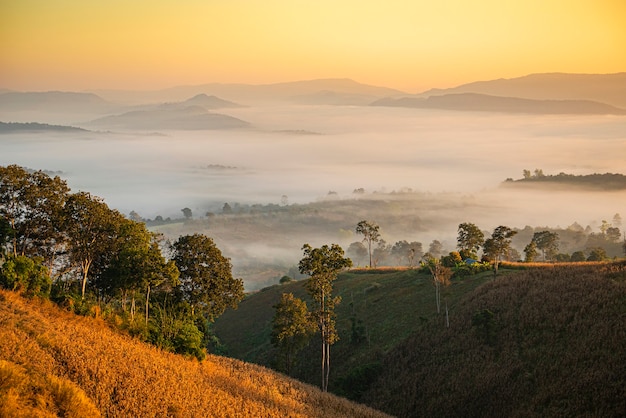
x: 454, y: 160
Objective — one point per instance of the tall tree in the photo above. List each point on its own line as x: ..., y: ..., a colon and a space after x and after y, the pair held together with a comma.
x: 498, y: 245
x: 32, y: 204
x: 206, y: 280
x: 470, y: 239
x: 370, y: 232
x: 441, y: 277
x: 548, y: 243
x: 92, y: 230
x: 292, y: 327
x: 322, y: 265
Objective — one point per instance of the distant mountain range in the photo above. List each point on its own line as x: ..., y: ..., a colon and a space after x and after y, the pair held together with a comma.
x: 553, y: 93
x: 483, y: 102
x: 323, y: 91
x: 604, y: 88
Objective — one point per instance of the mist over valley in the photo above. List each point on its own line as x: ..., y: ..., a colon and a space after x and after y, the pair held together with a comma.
x: 324, y: 165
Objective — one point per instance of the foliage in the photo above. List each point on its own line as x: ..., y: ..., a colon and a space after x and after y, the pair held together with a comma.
x: 470, y: 239
x: 292, y: 327
x: 21, y: 273
x: 498, y: 245
x: 370, y: 232
x: 206, y: 280
x: 322, y: 265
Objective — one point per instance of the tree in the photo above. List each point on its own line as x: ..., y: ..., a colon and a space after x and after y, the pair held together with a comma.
x: 548, y: 243
x: 322, y: 265
x: 613, y: 234
x: 498, y: 245
x: 206, y: 280
x: 186, y: 213
x: 597, y: 254
x: 32, y: 205
x: 530, y: 251
x: 441, y: 278
x: 435, y: 249
x: 357, y: 251
x: 292, y: 327
x: 137, y: 264
x: 577, y: 256
x: 370, y: 232
x: 470, y: 239
x: 91, y: 229
x: 380, y: 254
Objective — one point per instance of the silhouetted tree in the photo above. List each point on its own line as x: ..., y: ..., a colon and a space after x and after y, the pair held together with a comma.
x: 498, y: 245
x: 470, y: 239
x: 370, y: 232
x: 186, y: 213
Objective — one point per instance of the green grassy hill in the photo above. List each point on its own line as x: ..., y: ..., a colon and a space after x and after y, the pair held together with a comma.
x: 389, y: 305
x: 548, y: 341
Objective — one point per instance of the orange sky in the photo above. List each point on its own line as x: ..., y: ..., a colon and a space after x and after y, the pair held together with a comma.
x: 411, y: 45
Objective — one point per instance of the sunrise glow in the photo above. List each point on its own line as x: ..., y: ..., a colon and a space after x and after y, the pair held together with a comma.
x: 409, y: 45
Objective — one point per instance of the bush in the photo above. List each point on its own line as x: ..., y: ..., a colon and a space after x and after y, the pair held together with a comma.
x: 24, y: 274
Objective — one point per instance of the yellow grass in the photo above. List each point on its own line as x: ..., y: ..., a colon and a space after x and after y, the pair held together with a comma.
x: 57, y: 364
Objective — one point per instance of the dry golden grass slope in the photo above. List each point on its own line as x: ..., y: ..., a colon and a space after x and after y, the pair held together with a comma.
x: 53, y: 363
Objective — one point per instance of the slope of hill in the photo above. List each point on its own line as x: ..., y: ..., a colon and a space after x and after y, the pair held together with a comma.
x: 389, y: 305
x: 54, y: 101
x: 14, y: 127
x: 171, y: 117
x: 604, y: 88
x: 209, y: 102
x: 53, y: 363
x: 487, y: 103
x: 548, y: 342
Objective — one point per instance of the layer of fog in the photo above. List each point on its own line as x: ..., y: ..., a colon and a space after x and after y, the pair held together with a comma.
x: 304, y: 152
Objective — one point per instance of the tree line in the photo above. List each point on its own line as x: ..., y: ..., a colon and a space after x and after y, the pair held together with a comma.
x: 89, y: 258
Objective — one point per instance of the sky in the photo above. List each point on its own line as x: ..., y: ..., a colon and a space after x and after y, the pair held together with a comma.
x: 411, y: 45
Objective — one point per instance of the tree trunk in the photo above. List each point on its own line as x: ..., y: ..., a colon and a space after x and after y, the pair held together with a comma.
x: 85, y: 264
x: 147, y: 302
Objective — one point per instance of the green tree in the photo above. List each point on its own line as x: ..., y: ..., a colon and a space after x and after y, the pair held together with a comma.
x: 548, y: 243
x: 577, y: 256
x: 24, y: 274
x: 32, y: 205
x: 92, y: 230
x: 597, y: 254
x: 498, y: 245
x: 292, y: 327
x: 322, y: 265
x: 469, y: 240
x: 370, y: 232
x: 530, y: 251
x: 206, y: 280
x: 137, y: 264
